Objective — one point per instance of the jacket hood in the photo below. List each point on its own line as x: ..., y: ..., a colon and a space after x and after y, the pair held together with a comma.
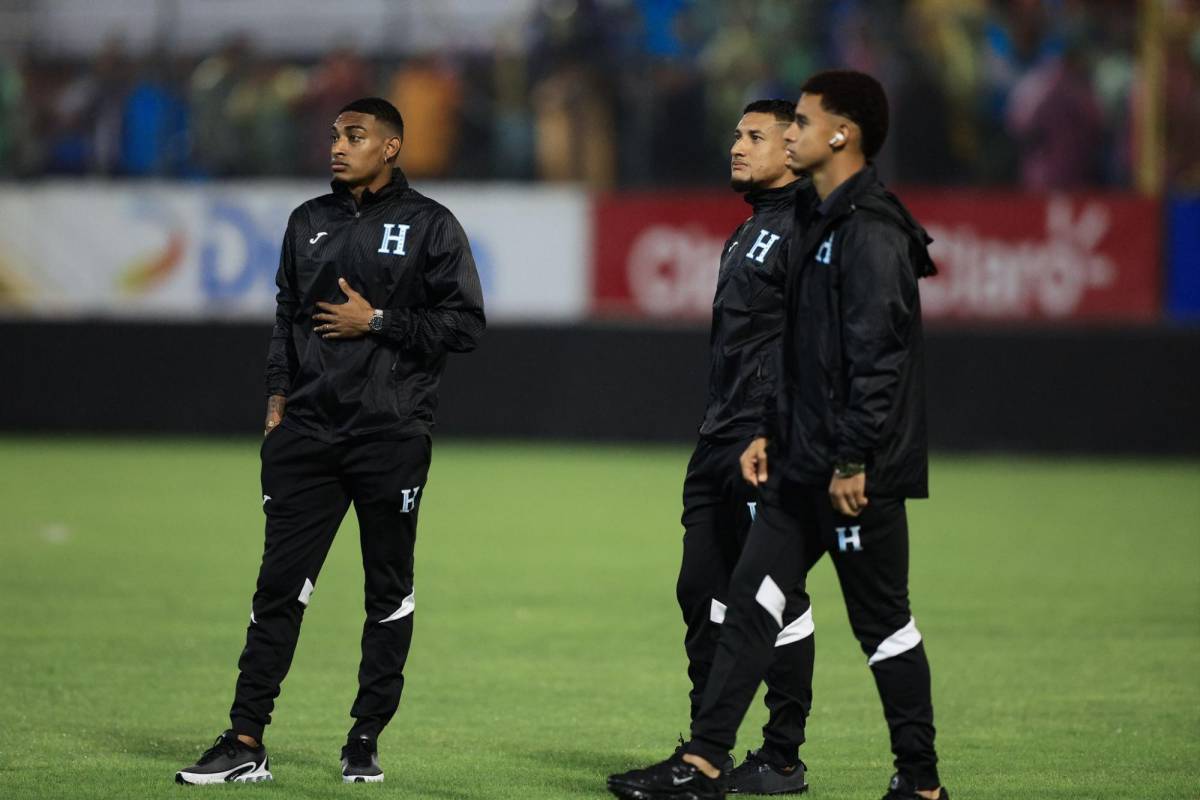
x: 875, y: 198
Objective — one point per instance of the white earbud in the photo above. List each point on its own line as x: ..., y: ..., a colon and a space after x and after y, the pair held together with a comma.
x: 838, y: 139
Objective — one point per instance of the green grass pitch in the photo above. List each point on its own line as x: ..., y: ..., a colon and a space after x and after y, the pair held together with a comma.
x: 1060, y: 602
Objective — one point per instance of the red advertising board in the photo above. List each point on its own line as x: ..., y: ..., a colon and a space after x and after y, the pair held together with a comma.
x: 1001, y: 256
x: 657, y: 255
x: 1088, y: 257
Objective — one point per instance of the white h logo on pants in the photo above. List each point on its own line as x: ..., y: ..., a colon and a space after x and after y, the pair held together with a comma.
x: 410, y: 499
x: 849, y: 541
x: 397, y: 238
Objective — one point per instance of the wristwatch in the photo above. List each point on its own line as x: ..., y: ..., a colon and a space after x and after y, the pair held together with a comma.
x: 375, y: 324
x: 848, y: 469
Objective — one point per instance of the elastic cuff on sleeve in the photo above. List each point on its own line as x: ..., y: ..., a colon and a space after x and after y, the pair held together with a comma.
x: 850, y: 455
x: 247, y: 727
x: 713, y: 754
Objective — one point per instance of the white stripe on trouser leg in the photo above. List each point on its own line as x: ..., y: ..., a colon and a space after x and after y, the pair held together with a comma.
x: 306, y: 592
x: 771, y: 598
x: 716, y: 612
x: 406, y: 607
x: 899, y: 642
x: 799, y: 628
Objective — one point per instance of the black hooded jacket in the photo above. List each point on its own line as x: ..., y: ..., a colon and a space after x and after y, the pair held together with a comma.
x: 748, y: 315
x: 405, y: 254
x: 853, y: 372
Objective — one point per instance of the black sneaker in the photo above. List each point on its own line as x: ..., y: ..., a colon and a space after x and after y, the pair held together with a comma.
x: 673, y: 779
x: 757, y: 775
x: 901, y: 788
x: 360, y: 762
x: 229, y: 760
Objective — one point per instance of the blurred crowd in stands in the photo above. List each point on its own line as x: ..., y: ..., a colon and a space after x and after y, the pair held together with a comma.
x: 632, y: 93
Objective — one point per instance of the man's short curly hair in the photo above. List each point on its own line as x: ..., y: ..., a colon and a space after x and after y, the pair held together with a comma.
x: 381, y: 110
x: 856, y: 96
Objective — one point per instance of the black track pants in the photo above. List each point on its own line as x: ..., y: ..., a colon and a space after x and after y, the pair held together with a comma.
x: 307, y: 488
x: 795, y: 526
x: 718, y: 508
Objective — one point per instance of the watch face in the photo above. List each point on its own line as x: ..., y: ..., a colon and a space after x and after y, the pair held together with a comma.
x: 376, y: 323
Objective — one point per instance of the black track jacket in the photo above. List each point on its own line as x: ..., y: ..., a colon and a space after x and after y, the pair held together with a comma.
x: 408, y: 256
x: 853, y: 381
x: 748, y: 315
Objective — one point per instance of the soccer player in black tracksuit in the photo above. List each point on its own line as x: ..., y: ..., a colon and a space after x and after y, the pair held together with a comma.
x: 845, y: 444
x: 718, y: 506
x: 376, y: 284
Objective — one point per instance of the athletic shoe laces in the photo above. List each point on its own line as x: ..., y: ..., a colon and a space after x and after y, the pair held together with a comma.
x: 223, y: 746
x: 679, y: 749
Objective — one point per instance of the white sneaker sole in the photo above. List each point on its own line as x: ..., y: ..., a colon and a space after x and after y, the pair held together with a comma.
x: 362, y: 779
x: 238, y: 774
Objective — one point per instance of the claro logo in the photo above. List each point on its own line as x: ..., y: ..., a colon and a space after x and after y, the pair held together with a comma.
x: 1048, y: 277
x: 672, y: 270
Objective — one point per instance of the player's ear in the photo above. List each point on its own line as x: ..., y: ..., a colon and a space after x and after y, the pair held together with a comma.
x: 392, y: 147
x: 853, y: 132
x: 841, y: 135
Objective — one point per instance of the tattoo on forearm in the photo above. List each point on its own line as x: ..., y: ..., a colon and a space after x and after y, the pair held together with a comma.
x: 275, y: 405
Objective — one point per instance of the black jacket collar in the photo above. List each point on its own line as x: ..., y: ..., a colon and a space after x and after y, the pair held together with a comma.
x: 843, y: 198
x: 772, y: 199
x: 396, y: 185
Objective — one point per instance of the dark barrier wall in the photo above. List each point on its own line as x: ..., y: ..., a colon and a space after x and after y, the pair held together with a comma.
x: 1095, y: 391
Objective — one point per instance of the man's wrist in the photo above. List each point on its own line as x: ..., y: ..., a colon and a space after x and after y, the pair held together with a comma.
x: 848, y: 469
x: 375, y: 323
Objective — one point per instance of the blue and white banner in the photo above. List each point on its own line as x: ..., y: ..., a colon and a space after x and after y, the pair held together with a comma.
x: 172, y: 251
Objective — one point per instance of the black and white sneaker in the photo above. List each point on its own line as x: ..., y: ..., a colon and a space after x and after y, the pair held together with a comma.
x: 360, y: 762
x: 757, y: 775
x: 900, y: 788
x: 229, y: 760
x: 673, y: 779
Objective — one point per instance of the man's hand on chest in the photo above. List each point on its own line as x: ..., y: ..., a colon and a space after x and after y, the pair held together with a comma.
x: 348, y: 320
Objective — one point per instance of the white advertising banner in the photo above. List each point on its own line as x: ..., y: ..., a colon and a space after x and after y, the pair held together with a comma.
x: 279, y: 27
x: 173, y: 251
